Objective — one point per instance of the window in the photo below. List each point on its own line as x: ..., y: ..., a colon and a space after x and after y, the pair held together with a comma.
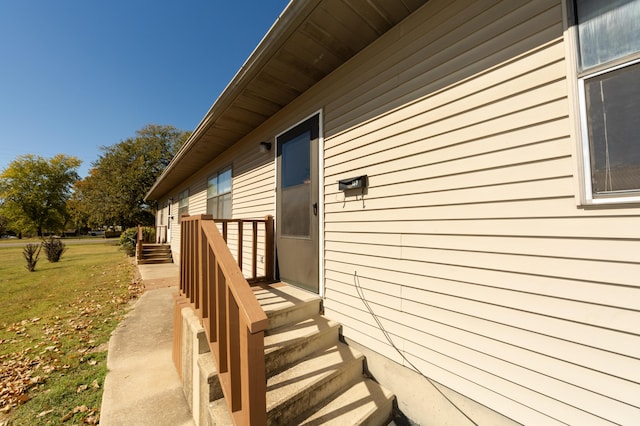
x: 219, y: 195
x: 183, y: 203
x: 608, y: 79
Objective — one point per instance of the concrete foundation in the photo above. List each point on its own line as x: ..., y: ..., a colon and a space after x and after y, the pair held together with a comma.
x: 423, y: 401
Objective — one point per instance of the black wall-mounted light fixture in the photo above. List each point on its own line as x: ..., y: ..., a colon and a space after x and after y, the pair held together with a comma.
x: 265, y: 147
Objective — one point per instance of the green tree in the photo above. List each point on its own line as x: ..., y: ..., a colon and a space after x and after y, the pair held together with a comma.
x: 35, y: 191
x: 113, y: 192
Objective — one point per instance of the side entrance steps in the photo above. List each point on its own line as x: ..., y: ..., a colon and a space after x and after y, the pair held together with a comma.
x: 155, y: 253
x: 312, y: 377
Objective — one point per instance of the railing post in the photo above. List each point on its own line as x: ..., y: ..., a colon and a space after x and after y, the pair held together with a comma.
x: 269, y: 259
x: 240, y: 244
x: 254, y: 250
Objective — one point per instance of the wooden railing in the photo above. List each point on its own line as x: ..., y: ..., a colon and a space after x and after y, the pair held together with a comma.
x: 252, y: 229
x: 146, y: 235
x: 212, y: 282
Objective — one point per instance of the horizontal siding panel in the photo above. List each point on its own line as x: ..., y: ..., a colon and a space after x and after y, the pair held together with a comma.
x: 549, y: 188
x: 433, y: 117
x: 619, y: 273
x: 561, y: 382
x: 362, y: 333
x: 542, y: 374
x: 553, y: 208
x: 441, y: 149
x: 254, y: 175
x: 372, y: 295
x: 600, y: 316
x: 622, y: 297
x: 512, y: 399
x: 587, y: 357
x: 597, y: 227
x: 611, y: 340
x: 611, y: 250
x: 511, y: 113
x: 463, y: 171
x: 548, y: 58
x: 338, y: 273
x: 438, y: 367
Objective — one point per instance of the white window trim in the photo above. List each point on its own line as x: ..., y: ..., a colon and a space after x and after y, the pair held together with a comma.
x: 584, y: 140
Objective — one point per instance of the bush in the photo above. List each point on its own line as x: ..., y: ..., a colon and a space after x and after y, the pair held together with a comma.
x: 53, y: 248
x: 31, y: 253
x: 149, y: 234
x: 128, y: 240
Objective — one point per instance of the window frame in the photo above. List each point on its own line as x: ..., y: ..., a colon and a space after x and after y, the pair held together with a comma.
x: 222, y: 194
x: 582, y: 76
x: 614, y: 197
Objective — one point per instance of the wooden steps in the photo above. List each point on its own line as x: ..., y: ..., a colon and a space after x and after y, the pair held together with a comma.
x: 155, y: 253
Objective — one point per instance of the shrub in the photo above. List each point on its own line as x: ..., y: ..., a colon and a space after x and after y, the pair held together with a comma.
x: 53, y: 248
x: 128, y: 240
x: 149, y: 234
x: 31, y: 253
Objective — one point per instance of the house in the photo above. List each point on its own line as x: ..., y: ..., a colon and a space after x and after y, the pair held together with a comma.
x: 460, y: 182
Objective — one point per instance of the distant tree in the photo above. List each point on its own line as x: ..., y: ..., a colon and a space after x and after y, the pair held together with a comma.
x: 35, y: 191
x: 4, y: 222
x: 113, y: 192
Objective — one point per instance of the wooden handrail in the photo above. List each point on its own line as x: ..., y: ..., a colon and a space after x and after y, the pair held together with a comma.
x: 234, y: 322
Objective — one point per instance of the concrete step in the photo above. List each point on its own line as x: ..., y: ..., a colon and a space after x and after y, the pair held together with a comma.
x: 310, y: 381
x: 311, y: 376
x: 286, y: 345
x: 285, y: 304
x: 364, y: 403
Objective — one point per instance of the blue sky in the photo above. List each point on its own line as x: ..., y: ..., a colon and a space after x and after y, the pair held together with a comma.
x: 79, y: 74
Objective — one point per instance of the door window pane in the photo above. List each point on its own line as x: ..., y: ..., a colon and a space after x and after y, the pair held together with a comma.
x: 296, y: 185
x: 295, y: 161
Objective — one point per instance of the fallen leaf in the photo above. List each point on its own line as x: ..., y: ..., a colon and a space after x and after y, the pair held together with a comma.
x: 82, y: 388
x: 44, y: 413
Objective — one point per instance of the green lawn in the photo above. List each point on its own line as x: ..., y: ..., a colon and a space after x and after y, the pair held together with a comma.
x: 54, y: 327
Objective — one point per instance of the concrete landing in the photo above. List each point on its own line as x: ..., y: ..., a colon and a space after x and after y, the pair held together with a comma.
x: 142, y: 386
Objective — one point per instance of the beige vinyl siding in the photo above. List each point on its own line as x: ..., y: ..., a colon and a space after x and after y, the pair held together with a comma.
x: 467, y: 244
x: 198, y: 197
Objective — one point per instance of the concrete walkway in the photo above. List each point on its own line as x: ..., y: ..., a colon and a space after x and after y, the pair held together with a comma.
x: 142, y: 386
